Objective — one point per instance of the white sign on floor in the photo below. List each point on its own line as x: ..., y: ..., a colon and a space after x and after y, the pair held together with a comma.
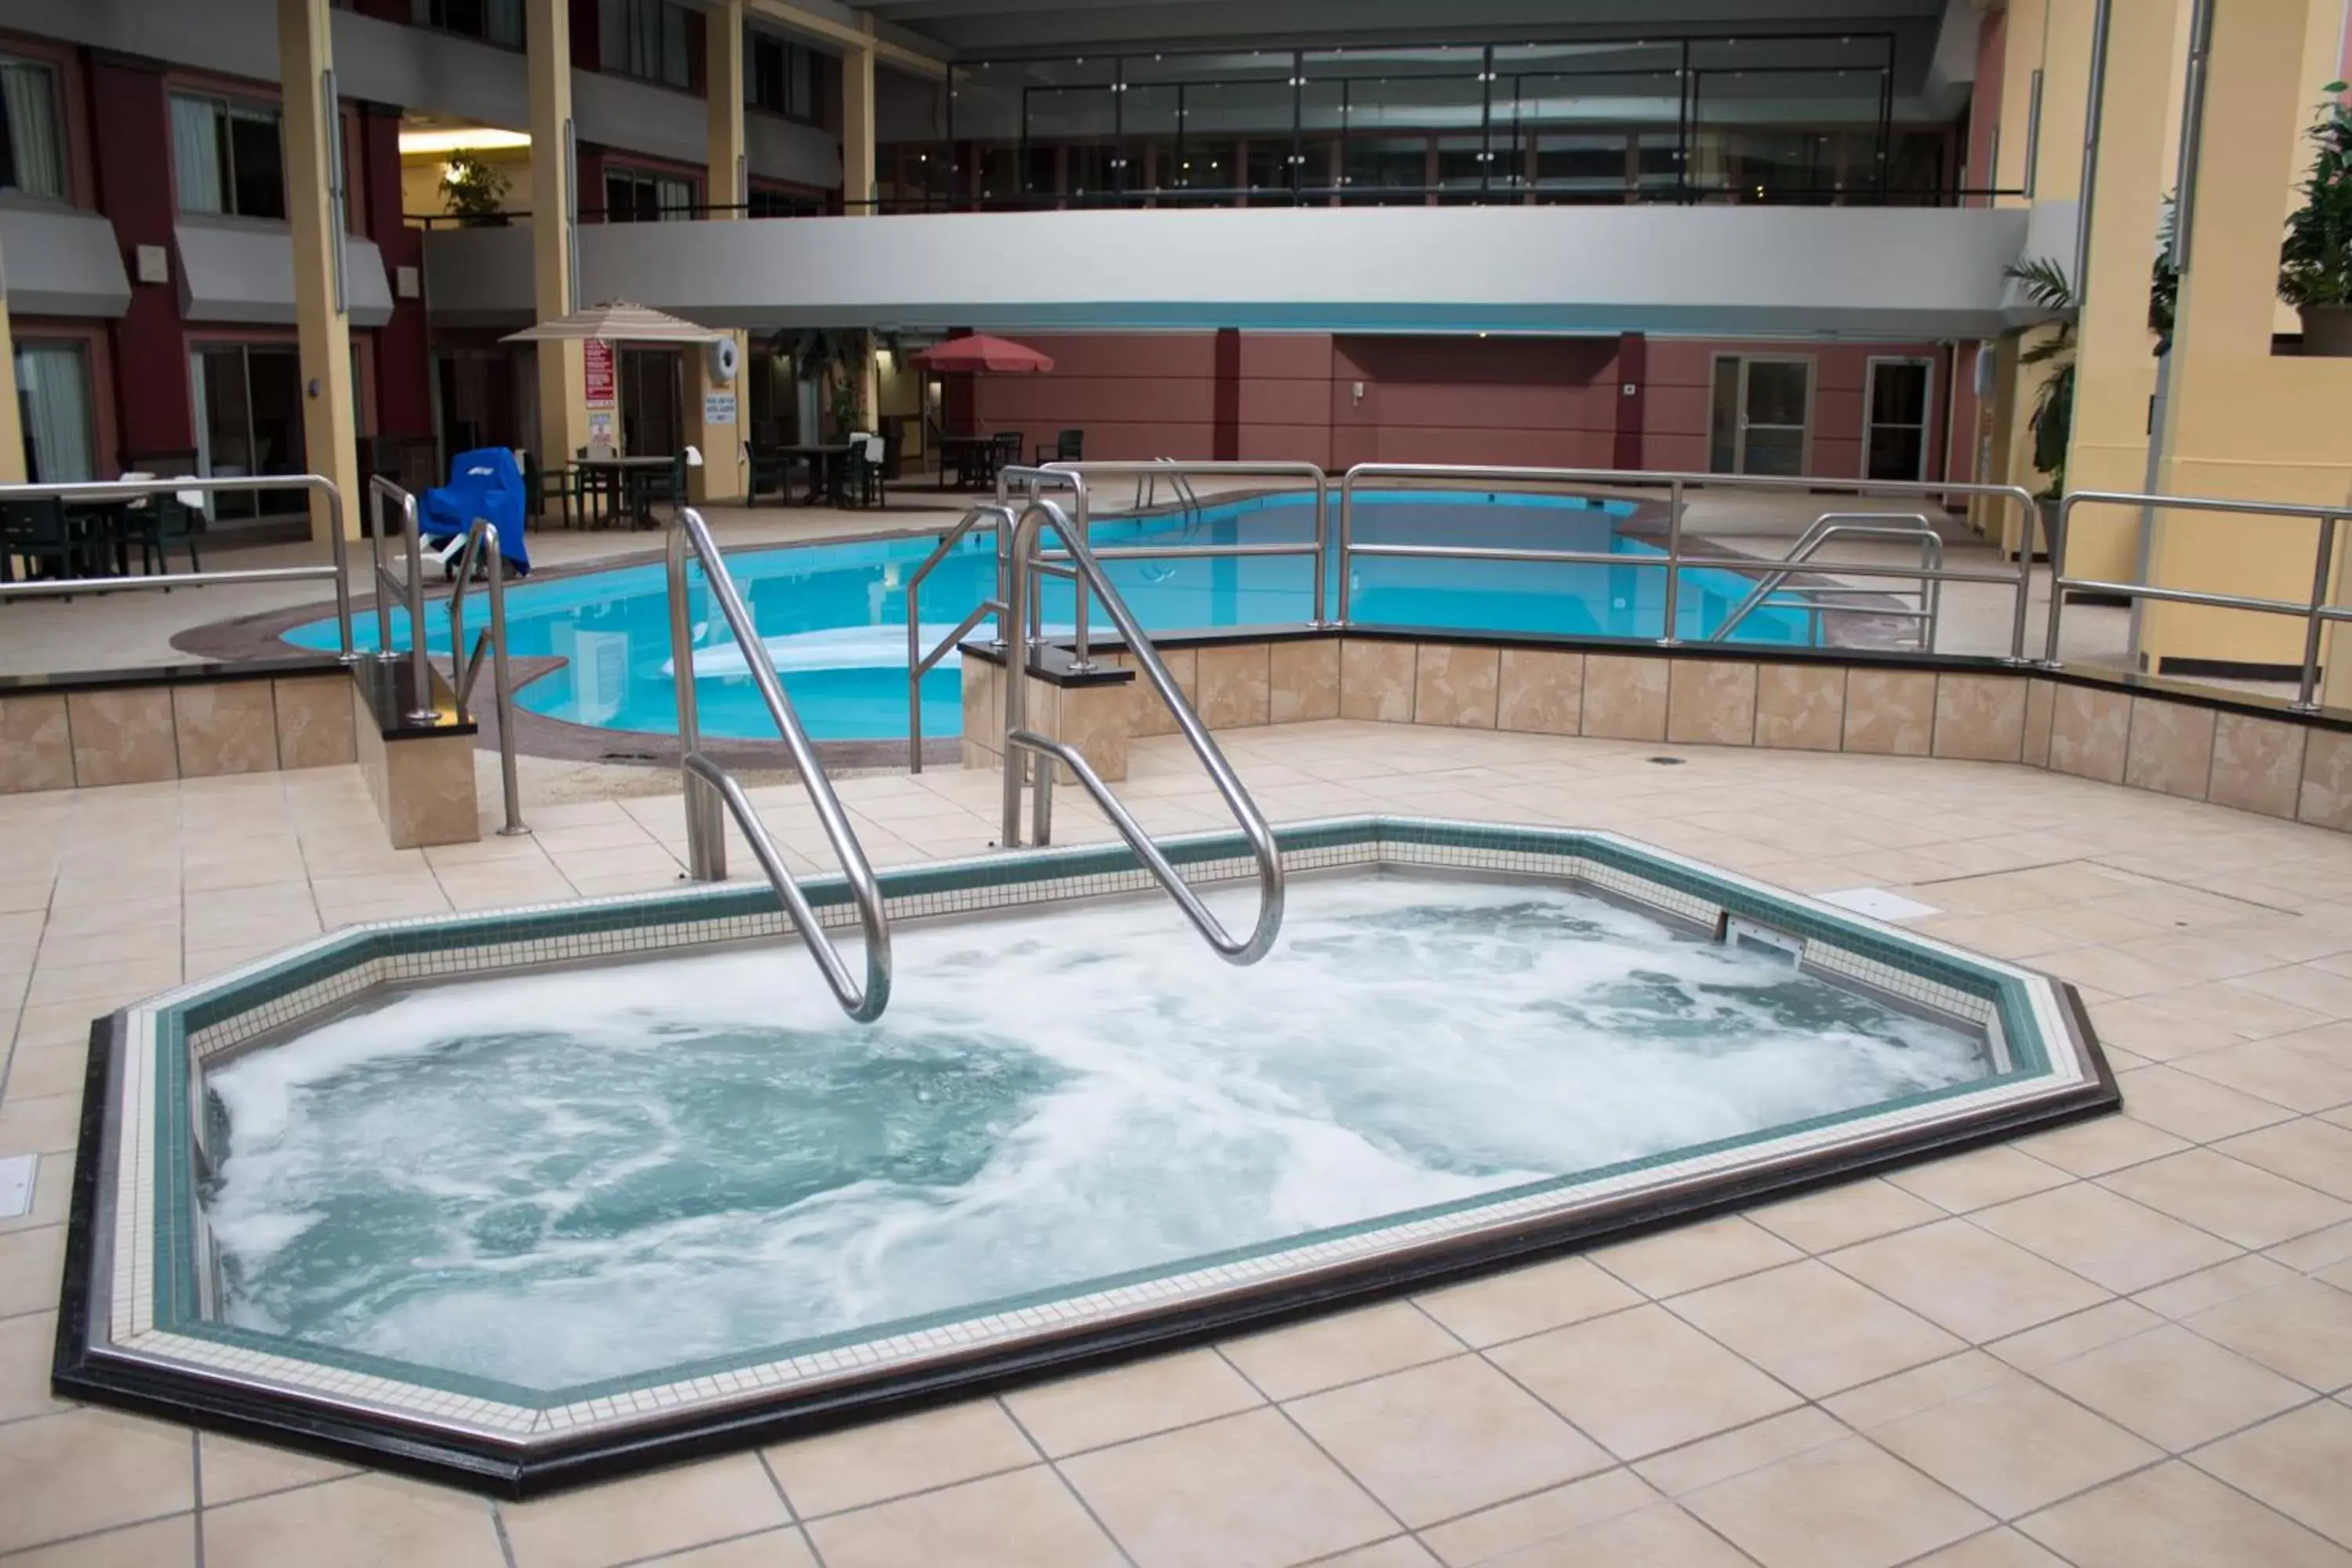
x: 16, y: 1185
x: 1878, y: 903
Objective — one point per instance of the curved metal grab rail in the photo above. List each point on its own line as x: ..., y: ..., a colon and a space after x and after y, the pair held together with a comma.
x: 709, y: 785
x: 918, y: 663
x: 482, y: 536
x: 1022, y: 559
x: 1846, y: 525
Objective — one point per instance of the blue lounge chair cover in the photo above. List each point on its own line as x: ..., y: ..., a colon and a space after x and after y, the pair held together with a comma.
x: 487, y: 483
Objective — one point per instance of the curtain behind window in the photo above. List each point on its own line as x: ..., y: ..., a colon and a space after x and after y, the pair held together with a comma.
x: 36, y: 164
x: 54, y: 381
x: 196, y: 152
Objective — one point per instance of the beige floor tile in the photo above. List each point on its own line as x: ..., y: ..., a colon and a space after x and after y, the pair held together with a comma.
x: 2173, y: 1517
x: 166, y: 1543
x: 31, y: 1262
x: 1691, y: 1256
x: 1979, y: 1179
x: 87, y: 1470
x: 1526, y: 1300
x: 1641, y: 1380
x: 1740, y: 1450
x: 1906, y: 1393
x: 1025, y: 1519
x: 1965, y: 1280
x: 362, y: 1521
x: 2014, y: 1447
x: 39, y: 1071
x: 2094, y: 1148
x: 1447, y: 1438
x: 2302, y: 1328
x: 1813, y: 1328
x: 1131, y: 1401
x: 861, y: 1465
x: 1842, y: 1215
x: 2106, y: 1238
x: 229, y: 1470
x: 642, y: 1515
x: 2296, y: 1463
x: 2173, y: 1388
x: 1324, y: 1352
x: 769, y: 1549
x: 2064, y: 1339
x: 1544, y: 1516
x: 2002, y: 1548
x: 1661, y: 1536
x: 2315, y: 1153
x: 2192, y: 1293
x: 2235, y: 1201
x: 2246, y: 1015
x: 2191, y: 1108
x: 2311, y: 1254
x: 27, y: 1344
x: 2274, y: 1071
x: 1397, y: 1552
x: 1850, y: 1505
x: 2304, y: 985
x: 1236, y: 1493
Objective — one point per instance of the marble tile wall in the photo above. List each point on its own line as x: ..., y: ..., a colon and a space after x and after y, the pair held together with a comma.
x: 1890, y: 711
x: 1540, y: 692
x: 1711, y: 702
x: 1980, y: 718
x: 36, y: 744
x: 1235, y: 686
x: 2257, y: 764
x: 1625, y: 696
x: 1304, y: 677
x: 2171, y: 748
x: 314, y: 722
x: 2041, y: 696
x: 2089, y: 732
x: 1454, y: 686
x: 1376, y: 680
x: 123, y: 736
x: 1800, y: 707
x: 226, y: 728
x: 430, y: 792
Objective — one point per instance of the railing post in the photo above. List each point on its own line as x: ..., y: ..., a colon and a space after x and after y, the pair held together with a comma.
x: 2307, y: 683
x: 1016, y: 673
x: 2024, y: 498
x: 1673, y: 559
x: 1347, y: 506
x: 509, y: 778
x: 2060, y: 526
x: 1322, y: 540
x: 420, y: 657
x: 706, y: 838
x: 384, y: 649
x: 341, y: 550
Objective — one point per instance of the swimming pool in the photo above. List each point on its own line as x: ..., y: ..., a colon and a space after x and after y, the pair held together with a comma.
x: 835, y: 616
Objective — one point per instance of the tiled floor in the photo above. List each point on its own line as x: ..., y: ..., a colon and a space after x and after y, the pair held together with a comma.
x: 2127, y: 1344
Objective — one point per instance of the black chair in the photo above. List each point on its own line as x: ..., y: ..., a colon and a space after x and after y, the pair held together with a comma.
x: 1069, y: 446
x: 155, y: 528
x: 34, y: 532
x: 1005, y: 454
x: 862, y: 473
x: 767, y: 467
x: 540, y: 487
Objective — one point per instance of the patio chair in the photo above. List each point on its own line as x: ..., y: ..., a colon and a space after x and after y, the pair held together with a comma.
x: 1068, y: 448
x: 868, y: 457
x: 1006, y: 453
x: 34, y: 532
x: 154, y: 524
x: 540, y: 487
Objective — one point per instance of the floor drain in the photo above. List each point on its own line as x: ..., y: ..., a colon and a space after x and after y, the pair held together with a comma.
x: 1669, y: 761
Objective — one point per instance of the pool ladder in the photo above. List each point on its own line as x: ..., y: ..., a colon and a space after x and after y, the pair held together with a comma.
x: 1819, y: 600
x: 710, y: 786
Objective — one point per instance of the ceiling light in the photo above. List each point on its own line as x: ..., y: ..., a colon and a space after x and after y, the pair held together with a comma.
x: 469, y: 139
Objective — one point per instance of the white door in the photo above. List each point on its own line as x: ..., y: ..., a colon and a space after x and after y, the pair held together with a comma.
x: 1762, y: 410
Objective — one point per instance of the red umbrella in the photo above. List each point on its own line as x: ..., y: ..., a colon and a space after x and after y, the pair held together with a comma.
x: 981, y: 352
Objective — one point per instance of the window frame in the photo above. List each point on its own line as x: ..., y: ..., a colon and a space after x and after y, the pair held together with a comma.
x: 59, y: 130
x: 231, y: 104
x: 811, y: 112
x: 649, y: 174
x: 613, y: 58
x: 521, y: 39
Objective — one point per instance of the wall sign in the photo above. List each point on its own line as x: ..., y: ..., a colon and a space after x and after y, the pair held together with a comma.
x: 718, y: 408
x: 596, y: 373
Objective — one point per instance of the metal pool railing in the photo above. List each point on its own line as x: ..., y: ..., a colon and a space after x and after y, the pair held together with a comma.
x: 2316, y: 612
x: 409, y: 590
x: 708, y: 785
x: 133, y: 489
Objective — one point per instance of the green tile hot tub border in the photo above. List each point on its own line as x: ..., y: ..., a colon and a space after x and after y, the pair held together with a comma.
x: 178, y: 1306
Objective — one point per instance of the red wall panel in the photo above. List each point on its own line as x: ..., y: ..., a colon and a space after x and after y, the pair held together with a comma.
x: 403, y: 402
x: 132, y: 140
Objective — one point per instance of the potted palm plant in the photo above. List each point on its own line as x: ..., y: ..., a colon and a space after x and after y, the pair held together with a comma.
x: 2047, y: 287
x: 2315, y: 262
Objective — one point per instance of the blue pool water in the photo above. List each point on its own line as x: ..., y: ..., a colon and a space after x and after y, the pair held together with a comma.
x: 835, y: 616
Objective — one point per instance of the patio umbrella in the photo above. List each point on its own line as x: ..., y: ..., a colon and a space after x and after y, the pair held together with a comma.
x: 618, y: 321
x: 998, y: 356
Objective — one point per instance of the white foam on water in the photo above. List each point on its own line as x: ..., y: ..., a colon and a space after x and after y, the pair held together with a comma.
x: 558, y: 1177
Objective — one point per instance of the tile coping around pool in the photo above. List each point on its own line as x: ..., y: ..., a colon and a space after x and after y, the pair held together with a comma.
x: 137, y: 1326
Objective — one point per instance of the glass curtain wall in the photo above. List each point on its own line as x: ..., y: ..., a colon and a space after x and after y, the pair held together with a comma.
x: 1800, y: 119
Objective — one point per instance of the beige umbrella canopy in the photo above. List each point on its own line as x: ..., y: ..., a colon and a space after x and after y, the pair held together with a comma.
x: 616, y: 321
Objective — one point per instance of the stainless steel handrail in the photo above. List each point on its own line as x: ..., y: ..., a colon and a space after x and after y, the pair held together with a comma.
x: 1019, y: 739
x: 708, y: 785
x: 918, y: 663
x: 1674, y: 562
x: 1847, y: 525
x: 1147, y: 489
x: 482, y: 540
x: 80, y: 490
x: 2316, y: 612
x: 410, y: 590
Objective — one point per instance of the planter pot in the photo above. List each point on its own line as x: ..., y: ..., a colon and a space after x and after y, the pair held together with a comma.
x: 2328, y: 331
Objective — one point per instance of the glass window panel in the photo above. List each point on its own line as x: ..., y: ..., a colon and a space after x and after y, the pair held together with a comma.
x: 198, y: 160
x: 1898, y: 392
x: 256, y: 163
x: 53, y: 397
x: 1723, y: 418
x: 31, y: 143
x: 1776, y: 392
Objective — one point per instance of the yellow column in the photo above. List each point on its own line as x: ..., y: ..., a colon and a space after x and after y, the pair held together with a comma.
x: 2241, y: 421
x: 12, y: 423
x: 857, y: 126
x: 329, y: 431
x: 2115, y: 361
x: 714, y: 421
x: 562, y: 392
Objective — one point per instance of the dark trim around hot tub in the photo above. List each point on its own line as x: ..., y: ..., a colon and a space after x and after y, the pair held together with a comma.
x: 382, y: 1442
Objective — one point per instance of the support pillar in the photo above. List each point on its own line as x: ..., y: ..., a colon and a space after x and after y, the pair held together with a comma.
x: 12, y: 422
x: 721, y: 439
x: 314, y: 203
x: 562, y: 392
x: 858, y: 169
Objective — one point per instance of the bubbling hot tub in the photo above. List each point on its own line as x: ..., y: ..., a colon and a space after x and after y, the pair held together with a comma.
x: 524, y: 1198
